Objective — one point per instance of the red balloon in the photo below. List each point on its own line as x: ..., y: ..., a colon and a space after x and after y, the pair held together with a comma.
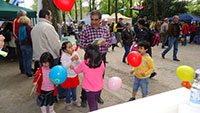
x: 64, y: 5
x: 134, y: 58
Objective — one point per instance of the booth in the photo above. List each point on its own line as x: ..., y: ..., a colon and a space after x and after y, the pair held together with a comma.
x: 125, y: 19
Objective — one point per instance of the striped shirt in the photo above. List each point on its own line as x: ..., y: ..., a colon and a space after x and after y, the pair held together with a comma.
x: 47, y: 85
x: 89, y: 34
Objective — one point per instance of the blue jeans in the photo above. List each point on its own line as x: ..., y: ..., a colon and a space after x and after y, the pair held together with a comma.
x: 19, y: 53
x: 27, y: 55
x: 172, y: 41
x: 143, y: 83
x: 184, y: 43
x: 127, y: 51
x: 68, y: 94
x: 77, y: 38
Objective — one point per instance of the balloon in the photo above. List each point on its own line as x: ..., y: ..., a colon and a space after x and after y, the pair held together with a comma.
x: 186, y: 84
x: 185, y: 73
x: 114, y: 83
x: 134, y: 58
x: 64, y: 5
x: 58, y: 75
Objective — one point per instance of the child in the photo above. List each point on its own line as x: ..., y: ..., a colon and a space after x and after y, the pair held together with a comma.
x: 46, y: 90
x: 93, y: 68
x: 143, y: 71
x: 114, y: 41
x: 70, y: 57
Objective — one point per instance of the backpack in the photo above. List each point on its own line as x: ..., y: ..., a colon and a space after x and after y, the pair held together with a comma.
x: 155, y: 38
x: 134, y: 47
x: 22, y: 33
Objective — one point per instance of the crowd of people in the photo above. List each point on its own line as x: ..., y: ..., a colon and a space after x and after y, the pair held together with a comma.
x: 42, y: 44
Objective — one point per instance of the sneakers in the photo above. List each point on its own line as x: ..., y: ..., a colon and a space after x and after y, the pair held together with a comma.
x: 163, y: 56
x: 131, y: 99
x: 69, y: 106
x: 83, y: 104
x: 76, y: 103
x: 176, y: 60
x: 100, y: 100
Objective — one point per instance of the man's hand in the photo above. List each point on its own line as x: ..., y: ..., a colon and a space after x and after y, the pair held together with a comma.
x: 103, y: 43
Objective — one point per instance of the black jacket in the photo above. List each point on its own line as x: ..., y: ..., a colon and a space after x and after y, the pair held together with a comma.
x: 128, y: 37
x: 143, y: 34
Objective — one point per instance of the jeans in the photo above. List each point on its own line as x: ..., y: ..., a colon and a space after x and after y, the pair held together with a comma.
x: 77, y: 38
x: 164, y: 39
x: 172, y: 41
x: 92, y: 100
x: 143, y: 83
x: 127, y: 51
x: 27, y: 55
x: 184, y: 43
x: 11, y: 53
x: 19, y: 53
x: 68, y: 94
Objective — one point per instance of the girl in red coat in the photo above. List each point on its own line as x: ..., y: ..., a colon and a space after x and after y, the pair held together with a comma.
x: 46, y: 90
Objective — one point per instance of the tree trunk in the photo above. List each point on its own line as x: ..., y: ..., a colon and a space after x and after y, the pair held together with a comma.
x: 155, y: 9
x: 116, y: 11
x: 93, y: 5
x: 48, y: 4
x: 109, y: 7
x: 90, y: 4
x: 81, y: 12
x: 63, y: 16
x: 76, y: 11
x: 8, y: 1
x: 131, y: 14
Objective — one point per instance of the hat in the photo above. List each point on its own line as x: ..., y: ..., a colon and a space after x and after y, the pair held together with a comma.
x: 165, y: 19
x: 105, y: 19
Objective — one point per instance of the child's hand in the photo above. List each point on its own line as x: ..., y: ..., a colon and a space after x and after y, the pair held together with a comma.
x: 72, y: 67
x: 132, y: 72
x: 34, y: 84
x: 103, y: 43
x: 75, y: 57
x: 143, y: 74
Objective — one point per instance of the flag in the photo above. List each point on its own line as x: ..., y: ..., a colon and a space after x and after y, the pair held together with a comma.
x: 15, y: 2
x: 138, y: 7
x: 122, y: 9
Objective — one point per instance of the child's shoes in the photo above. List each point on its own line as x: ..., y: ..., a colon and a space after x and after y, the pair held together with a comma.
x: 76, y: 103
x: 69, y: 106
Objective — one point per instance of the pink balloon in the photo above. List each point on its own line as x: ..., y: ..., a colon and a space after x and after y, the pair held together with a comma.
x: 114, y: 83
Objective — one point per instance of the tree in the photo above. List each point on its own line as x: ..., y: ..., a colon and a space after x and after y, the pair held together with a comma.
x: 194, y: 7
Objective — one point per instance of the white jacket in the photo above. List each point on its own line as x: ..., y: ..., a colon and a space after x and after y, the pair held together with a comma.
x: 45, y: 39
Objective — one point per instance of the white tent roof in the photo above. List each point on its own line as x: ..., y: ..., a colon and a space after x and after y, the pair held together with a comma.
x: 126, y: 19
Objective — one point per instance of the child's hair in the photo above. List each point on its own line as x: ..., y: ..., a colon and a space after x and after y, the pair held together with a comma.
x: 144, y: 44
x: 64, y: 45
x: 47, y: 57
x: 93, y: 56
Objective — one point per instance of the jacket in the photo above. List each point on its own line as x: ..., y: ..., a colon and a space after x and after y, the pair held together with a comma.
x: 45, y: 39
x: 174, y: 29
x: 39, y: 82
x: 143, y: 34
x: 128, y: 37
x: 185, y: 29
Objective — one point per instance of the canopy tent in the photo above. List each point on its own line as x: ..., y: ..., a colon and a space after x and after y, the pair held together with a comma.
x: 87, y: 18
x: 125, y: 19
x: 187, y: 17
x: 9, y: 11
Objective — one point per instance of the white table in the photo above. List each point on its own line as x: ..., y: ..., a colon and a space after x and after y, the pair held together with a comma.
x: 167, y: 102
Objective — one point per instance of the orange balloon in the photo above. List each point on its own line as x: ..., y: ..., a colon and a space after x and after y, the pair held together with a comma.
x: 186, y: 84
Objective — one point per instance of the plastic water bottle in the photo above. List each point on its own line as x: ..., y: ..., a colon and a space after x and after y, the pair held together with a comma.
x: 195, y: 90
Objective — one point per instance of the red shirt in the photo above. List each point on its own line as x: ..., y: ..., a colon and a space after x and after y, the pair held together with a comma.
x: 185, y: 28
x: 193, y: 28
x: 16, y: 26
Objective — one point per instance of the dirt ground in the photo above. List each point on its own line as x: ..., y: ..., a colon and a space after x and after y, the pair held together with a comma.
x: 15, y: 88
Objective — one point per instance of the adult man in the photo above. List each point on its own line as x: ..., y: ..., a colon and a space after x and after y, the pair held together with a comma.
x: 88, y: 35
x: 120, y: 27
x: 163, y: 32
x: 16, y: 26
x: 104, y: 24
x: 173, y: 32
x: 185, y: 31
x: 192, y: 29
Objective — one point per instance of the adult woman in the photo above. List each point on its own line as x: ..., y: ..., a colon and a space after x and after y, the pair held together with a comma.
x: 25, y: 43
x: 127, y: 38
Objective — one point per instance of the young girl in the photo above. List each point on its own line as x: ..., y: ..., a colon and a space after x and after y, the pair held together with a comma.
x: 114, y: 41
x: 70, y: 57
x: 46, y: 90
x: 93, y: 68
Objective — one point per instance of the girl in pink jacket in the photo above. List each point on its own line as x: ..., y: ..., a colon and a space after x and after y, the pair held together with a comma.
x: 93, y: 68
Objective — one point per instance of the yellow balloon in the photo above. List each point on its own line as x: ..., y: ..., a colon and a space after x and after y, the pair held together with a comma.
x: 185, y: 73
